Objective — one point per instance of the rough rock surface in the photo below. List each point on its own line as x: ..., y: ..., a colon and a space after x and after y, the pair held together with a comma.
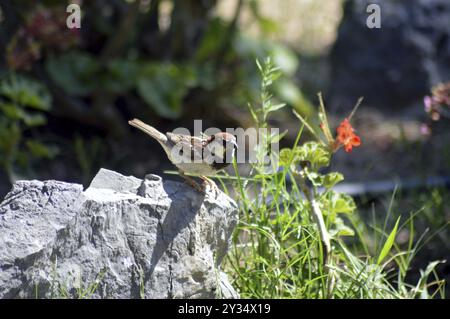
x: 396, y: 65
x: 121, y: 238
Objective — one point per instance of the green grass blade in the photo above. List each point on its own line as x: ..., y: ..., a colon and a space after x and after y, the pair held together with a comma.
x: 389, y: 243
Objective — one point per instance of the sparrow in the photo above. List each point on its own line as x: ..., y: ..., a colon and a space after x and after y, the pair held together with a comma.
x: 201, y: 156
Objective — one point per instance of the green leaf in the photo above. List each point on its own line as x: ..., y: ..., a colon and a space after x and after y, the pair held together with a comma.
x: 421, y: 286
x: 285, y: 59
x: 268, y: 25
x: 9, y: 139
x: 252, y: 112
x: 331, y: 179
x: 212, y: 40
x: 273, y: 108
x: 338, y: 203
x: 34, y: 119
x: 275, y: 138
x: 12, y: 111
x: 75, y: 72
x: 340, y: 229
x: 203, y: 75
x: 25, y: 92
x: 328, y: 181
x: 314, y: 153
x: 285, y: 157
x: 286, y: 90
x: 38, y: 149
x: 344, y: 204
x: 157, y: 95
x: 258, y: 64
x: 121, y: 76
x: 315, y: 178
x: 163, y: 87
x: 388, y: 244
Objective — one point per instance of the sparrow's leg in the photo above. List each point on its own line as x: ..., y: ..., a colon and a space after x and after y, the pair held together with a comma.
x: 192, y: 182
x: 209, y: 182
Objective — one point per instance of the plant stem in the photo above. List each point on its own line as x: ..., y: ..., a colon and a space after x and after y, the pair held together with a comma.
x: 323, y: 233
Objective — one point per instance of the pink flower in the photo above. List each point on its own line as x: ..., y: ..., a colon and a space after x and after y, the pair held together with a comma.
x: 428, y: 101
x: 425, y: 129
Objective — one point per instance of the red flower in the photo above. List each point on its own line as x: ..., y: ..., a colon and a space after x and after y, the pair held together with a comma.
x: 346, y: 136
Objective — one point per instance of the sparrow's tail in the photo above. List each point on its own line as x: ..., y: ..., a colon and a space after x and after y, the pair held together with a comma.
x: 160, y: 137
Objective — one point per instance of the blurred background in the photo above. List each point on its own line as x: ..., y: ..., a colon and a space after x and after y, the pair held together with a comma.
x: 66, y: 94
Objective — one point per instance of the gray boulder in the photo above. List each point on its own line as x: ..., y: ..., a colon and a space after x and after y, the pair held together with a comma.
x: 121, y: 238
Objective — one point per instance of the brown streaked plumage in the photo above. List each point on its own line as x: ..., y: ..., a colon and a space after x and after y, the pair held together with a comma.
x: 191, y: 154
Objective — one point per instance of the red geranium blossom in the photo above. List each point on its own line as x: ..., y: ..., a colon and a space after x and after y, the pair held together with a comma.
x: 346, y: 136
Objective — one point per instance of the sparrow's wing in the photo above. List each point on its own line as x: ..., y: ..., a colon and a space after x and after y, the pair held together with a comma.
x: 188, y: 148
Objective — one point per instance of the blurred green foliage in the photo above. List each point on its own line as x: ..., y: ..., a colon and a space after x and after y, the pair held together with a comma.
x: 23, y: 104
x: 159, y: 59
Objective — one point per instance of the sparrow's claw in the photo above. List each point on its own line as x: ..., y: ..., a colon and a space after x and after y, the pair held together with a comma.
x: 209, y: 182
x: 201, y: 188
x: 193, y: 183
